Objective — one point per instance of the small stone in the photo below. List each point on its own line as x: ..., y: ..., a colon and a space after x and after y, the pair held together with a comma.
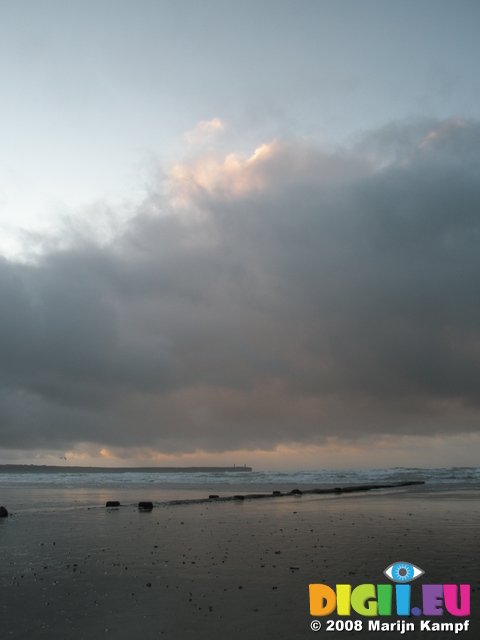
x: 112, y: 503
x: 145, y: 506
x: 3, y: 512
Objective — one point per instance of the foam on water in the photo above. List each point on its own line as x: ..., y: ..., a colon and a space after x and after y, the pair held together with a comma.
x: 468, y: 476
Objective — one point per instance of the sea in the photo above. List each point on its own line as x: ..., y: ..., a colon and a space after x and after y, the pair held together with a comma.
x: 66, y: 489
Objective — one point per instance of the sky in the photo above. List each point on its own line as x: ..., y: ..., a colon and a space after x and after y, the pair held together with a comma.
x: 240, y: 233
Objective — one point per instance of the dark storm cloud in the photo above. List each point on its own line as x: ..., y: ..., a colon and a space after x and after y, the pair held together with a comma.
x: 297, y: 295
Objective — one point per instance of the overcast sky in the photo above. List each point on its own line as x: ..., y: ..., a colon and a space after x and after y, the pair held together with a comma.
x: 240, y: 232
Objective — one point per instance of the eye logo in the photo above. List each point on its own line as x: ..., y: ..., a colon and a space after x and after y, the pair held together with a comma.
x: 403, y: 572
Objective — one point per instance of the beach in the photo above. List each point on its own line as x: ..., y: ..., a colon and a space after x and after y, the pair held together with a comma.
x: 238, y: 569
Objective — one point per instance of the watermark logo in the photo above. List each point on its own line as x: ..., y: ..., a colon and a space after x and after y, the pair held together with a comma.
x: 403, y: 572
x: 376, y: 600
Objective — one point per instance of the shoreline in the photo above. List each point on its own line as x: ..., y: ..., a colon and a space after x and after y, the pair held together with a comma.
x: 51, y: 496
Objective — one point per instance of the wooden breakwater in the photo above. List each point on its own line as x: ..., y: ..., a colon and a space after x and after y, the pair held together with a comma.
x: 294, y: 492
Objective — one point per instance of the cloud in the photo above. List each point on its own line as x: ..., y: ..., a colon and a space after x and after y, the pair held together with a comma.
x: 204, y: 131
x: 280, y: 298
x: 296, y: 164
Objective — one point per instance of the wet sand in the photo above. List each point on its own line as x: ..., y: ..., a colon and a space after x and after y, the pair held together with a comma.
x: 226, y: 569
